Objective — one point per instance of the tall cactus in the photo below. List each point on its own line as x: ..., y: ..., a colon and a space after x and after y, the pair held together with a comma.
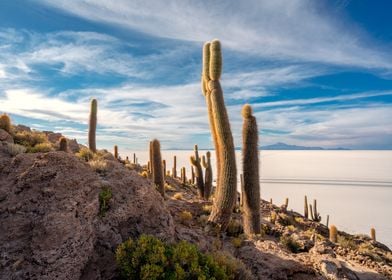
x: 250, y: 164
x: 174, y: 171
x: 208, y: 176
x: 196, y: 162
x: 151, y: 169
x: 313, y: 212
x: 63, y: 144
x: 306, y: 209
x: 115, y: 151
x: 221, y: 133
x: 92, y: 128
x: 157, y: 169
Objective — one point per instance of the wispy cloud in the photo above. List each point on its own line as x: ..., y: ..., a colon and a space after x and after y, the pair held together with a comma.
x: 296, y: 30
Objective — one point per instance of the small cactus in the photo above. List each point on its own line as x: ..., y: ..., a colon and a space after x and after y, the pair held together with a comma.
x: 207, y: 176
x: 306, y: 209
x: 333, y: 234
x: 286, y: 203
x: 115, y: 152
x: 134, y: 158
x: 164, y: 167
x: 373, y: 234
x: 195, y: 161
x: 5, y: 123
x: 327, y: 223
x: 157, y: 169
x: 183, y: 175
x: 250, y: 165
x: 193, y: 175
x: 63, y: 144
x: 92, y: 126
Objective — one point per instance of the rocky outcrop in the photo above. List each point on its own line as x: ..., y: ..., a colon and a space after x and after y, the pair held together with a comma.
x: 5, y: 136
x: 50, y: 227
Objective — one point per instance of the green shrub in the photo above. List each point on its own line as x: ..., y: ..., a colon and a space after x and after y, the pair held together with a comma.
x: 104, y: 196
x: 290, y: 243
x: 30, y: 138
x: 85, y: 153
x: 150, y: 258
x: 41, y: 148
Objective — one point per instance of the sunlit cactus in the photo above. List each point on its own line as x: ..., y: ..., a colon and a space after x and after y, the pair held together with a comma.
x: 306, y: 209
x: 174, y: 171
x: 208, y: 176
x: 225, y: 195
x: 92, y: 128
x: 250, y: 165
x: 373, y: 234
x: 313, y: 212
x: 333, y: 234
x: 183, y: 175
x: 115, y: 151
x: 193, y: 175
x: 5, y: 123
x: 157, y: 169
x: 195, y: 161
x: 63, y: 146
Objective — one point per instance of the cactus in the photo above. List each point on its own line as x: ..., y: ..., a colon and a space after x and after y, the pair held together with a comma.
x: 373, y: 234
x: 149, y: 167
x: 286, y: 203
x: 5, y: 123
x: 164, y: 167
x: 327, y: 223
x: 174, y: 171
x: 226, y: 192
x: 333, y: 234
x: 63, y: 144
x: 92, y: 126
x: 193, y: 175
x: 306, y: 209
x: 313, y: 212
x: 195, y: 161
x: 208, y: 176
x: 134, y: 158
x: 183, y: 175
x: 250, y: 165
x: 115, y: 152
x: 150, y: 154
x: 157, y: 170
x: 242, y: 190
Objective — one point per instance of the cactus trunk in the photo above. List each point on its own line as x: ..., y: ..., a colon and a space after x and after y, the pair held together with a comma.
x: 195, y: 161
x: 306, y: 209
x: 157, y: 169
x: 208, y: 176
x: 174, y: 171
x: 115, y: 152
x: 63, y: 144
x: 92, y: 126
x: 250, y: 164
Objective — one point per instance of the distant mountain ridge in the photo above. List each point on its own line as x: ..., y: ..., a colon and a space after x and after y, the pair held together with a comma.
x: 284, y: 146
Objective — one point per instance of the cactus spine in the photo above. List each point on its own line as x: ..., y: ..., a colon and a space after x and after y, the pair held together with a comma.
x: 208, y: 176
x: 92, y: 126
x: 115, y: 152
x: 195, y: 161
x: 250, y: 165
x: 225, y: 196
x: 63, y: 144
x: 157, y: 169
x: 5, y: 123
x: 373, y: 234
x: 306, y: 209
x: 333, y: 234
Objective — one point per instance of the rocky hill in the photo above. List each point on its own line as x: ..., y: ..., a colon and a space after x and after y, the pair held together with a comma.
x: 63, y: 214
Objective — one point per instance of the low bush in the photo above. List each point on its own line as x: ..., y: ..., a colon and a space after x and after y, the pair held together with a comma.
x: 185, y: 217
x: 290, y: 243
x: 41, y: 148
x: 98, y: 165
x: 234, y: 228
x: 150, y: 258
x: 85, y: 153
x: 178, y: 196
x: 15, y: 149
x: 30, y: 139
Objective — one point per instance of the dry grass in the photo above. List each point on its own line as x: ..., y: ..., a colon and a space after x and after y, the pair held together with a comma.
x: 41, y: 148
x: 85, y: 153
x: 178, y: 196
x: 185, y: 217
x: 98, y: 165
x: 15, y: 149
x: 207, y: 209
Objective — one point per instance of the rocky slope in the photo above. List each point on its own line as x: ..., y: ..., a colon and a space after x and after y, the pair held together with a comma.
x: 52, y: 226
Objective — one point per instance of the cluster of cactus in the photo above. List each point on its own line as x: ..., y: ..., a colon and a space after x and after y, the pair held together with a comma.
x: 92, y: 126
x: 225, y: 195
x: 156, y: 166
x: 196, y: 162
x: 5, y: 123
x: 313, y: 212
x: 250, y: 165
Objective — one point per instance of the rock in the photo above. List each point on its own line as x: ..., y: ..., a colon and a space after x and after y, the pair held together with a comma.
x: 5, y: 136
x: 53, y: 137
x: 73, y: 145
x: 20, y: 128
x: 50, y: 227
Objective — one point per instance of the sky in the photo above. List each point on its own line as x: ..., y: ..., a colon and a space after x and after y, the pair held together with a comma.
x: 317, y: 73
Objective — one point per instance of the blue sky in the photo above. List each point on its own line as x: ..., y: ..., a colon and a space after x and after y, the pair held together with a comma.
x: 317, y: 73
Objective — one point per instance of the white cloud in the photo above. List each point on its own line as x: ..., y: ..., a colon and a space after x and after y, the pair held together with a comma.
x: 296, y: 30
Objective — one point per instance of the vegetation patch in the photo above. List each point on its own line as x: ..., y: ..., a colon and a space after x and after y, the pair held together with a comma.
x: 185, y: 217
x: 150, y: 258
x: 290, y: 244
x: 85, y: 153
x: 104, y: 197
